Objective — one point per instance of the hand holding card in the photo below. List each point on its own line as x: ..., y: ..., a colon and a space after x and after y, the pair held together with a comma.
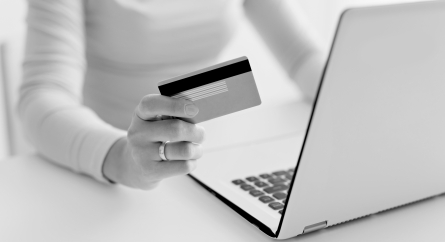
x: 218, y: 90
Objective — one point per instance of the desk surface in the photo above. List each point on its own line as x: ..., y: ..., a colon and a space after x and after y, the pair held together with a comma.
x: 43, y: 202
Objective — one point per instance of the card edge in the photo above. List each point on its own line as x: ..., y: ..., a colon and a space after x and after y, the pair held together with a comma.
x: 177, y: 78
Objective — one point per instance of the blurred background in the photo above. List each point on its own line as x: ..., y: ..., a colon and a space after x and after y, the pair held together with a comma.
x: 321, y: 14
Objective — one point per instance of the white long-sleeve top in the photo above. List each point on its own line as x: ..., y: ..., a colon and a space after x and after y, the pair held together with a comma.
x: 89, y: 62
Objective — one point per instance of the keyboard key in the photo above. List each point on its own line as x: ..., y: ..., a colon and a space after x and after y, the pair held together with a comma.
x: 238, y: 182
x: 279, y: 195
x: 285, y: 201
x: 261, y: 184
x: 266, y: 199
x: 279, y: 173
x: 276, y: 205
x: 256, y: 193
x: 276, y: 188
x: 252, y: 179
x: 265, y: 176
x: 276, y: 180
x: 281, y: 211
x: 287, y: 176
x: 247, y: 187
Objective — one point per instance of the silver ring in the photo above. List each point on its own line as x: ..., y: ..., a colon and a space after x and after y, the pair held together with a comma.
x: 162, y: 150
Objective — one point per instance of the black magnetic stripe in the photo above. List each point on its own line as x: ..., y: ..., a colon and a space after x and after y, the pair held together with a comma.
x: 207, y: 77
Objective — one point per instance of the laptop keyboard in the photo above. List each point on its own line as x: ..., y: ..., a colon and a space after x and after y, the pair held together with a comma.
x: 270, y: 188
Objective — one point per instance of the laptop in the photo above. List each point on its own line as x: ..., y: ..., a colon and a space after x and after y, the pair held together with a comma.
x: 373, y: 140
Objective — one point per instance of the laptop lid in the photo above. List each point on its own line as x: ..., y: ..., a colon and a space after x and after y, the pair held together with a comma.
x: 376, y: 137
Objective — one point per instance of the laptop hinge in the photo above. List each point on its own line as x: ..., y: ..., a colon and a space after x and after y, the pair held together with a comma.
x: 315, y: 227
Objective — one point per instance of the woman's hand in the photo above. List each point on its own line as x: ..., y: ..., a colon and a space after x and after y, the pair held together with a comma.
x: 135, y: 161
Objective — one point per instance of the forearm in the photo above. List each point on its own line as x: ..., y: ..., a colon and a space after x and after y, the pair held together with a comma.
x: 291, y: 39
x: 65, y: 132
x: 56, y: 122
x: 308, y: 75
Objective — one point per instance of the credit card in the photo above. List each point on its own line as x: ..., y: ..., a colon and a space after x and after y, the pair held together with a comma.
x: 217, y: 90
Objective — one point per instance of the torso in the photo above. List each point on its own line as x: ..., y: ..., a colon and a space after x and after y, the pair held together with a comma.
x: 133, y: 44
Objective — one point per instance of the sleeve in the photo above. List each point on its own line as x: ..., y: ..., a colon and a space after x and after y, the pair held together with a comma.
x: 50, y: 107
x: 288, y: 35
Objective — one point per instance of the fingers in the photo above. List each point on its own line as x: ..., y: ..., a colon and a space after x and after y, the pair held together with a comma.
x: 172, y: 151
x: 183, y: 151
x: 155, y: 104
x: 172, y: 130
x: 181, y: 159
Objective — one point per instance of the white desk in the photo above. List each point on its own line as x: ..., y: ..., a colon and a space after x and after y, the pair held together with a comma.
x: 43, y: 202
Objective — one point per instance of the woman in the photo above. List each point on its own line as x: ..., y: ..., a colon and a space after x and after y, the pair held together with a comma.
x: 117, y: 50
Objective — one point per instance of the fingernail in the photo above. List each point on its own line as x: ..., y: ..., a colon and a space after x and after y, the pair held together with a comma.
x: 191, y: 110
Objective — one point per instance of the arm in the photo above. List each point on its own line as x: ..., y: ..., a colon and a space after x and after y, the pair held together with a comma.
x: 59, y: 126
x: 70, y: 134
x: 289, y: 38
